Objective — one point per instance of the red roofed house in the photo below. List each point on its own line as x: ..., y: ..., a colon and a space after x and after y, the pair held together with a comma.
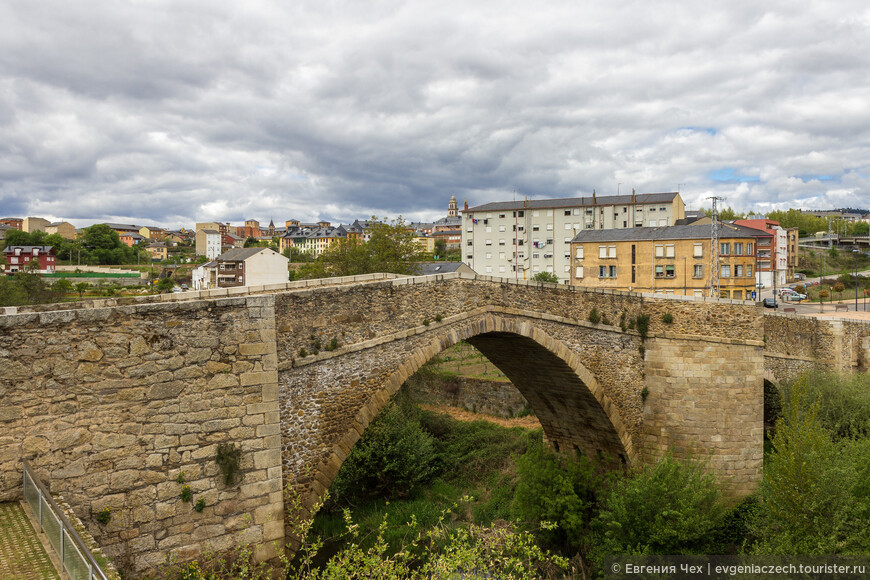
x: 19, y: 257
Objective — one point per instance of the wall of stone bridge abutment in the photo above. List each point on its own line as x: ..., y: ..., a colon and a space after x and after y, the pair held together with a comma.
x: 110, y: 405
x: 795, y: 345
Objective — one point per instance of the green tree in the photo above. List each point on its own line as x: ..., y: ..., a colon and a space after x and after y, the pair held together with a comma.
x: 860, y: 229
x: 815, y: 492
x: 392, y: 247
x: 391, y: 459
x: 558, y: 489
x: 839, y: 288
x: 251, y: 242
x: 165, y: 284
x: 63, y: 287
x: 440, y: 248
x: 81, y: 288
x: 546, y: 277
x: 668, y: 507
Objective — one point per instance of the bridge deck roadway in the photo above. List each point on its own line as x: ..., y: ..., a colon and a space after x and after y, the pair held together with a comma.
x: 21, y: 552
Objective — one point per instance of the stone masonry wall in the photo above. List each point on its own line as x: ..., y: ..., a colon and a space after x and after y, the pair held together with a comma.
x: 499, y: 398
x: 110, y: 404
x: 705, y: 398
x: 796, y: 344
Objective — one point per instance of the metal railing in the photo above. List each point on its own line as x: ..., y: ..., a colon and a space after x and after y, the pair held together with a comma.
x: 75, y: 557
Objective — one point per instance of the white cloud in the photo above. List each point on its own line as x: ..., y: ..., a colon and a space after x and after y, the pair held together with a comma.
x: 179, y: 112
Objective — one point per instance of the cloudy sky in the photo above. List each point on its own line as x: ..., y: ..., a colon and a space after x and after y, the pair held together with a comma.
x: 171, y: 112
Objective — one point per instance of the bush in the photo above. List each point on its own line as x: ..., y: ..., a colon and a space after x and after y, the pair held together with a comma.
x: 391, y: 459
x: 844, y: 401
x: 669, y: 507
x: 815, y: 495
x: 558, y: 489
x: 594, y: 317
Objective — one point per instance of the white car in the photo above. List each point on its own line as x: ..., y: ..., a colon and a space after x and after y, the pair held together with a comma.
x: 793, y: 296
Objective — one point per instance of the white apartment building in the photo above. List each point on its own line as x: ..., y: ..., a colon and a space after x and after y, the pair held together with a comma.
x: 518, y: 239
x: 209, y: 243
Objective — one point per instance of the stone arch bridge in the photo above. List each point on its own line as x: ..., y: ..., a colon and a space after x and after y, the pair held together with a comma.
x: 111, y: 400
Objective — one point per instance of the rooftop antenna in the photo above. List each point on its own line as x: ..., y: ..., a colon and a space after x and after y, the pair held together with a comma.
x: 714, y: 248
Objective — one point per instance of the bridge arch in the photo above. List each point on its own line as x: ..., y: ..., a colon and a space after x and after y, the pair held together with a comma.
x: 575, y: 411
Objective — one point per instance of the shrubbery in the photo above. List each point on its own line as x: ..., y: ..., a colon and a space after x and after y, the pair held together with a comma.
x: 394, y: 456
x: 668, y: 507
x: 815, y: 495
x: 558, y: 489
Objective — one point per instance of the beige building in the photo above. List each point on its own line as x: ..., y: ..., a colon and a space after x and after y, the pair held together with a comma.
x: 792, y: 252
x: 154, y: 234
x: 209, y: 243
x: 518, y: 239
x: 670, y: 261
x: 158, y: 251
x: 65, y: 229
x: 34, y: 224
x: 242, y: 267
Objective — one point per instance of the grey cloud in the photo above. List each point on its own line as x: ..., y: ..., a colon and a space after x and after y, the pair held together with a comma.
x: 168, y: 113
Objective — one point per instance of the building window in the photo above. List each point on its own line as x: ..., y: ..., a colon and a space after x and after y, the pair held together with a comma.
x: 669, y: 251
x: 748, y: 249
x: 488, y: 228
x: 699, y: 251
x: 567, y: 212
x: 738, y: 248
x: 549, y: 241
x: 613, y: 271
x: 699, y: 271
x: 660, y: 251
x: 489, y: 269
x: 652, y: 209
x: 501, y: 268
x: 738, y: 271
x: 725, y: 248
x: 501, y: 228
x: 602, y: 271
x: 578, y: 252
x: 535, y: 255
x: 488, y: 242
x: 567, y: 267
x: 726, y: 271
x: 749, y: 270
x: 501, y: 216
x: 578, y: 272
x: 489, y: 255
x: 669, y: 271
x: 469, y: 242
x: 663, y: 209
x: 536, y: 228
x: 567, y: 226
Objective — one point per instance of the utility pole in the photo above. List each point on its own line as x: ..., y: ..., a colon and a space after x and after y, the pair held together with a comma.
x: 714, y: 249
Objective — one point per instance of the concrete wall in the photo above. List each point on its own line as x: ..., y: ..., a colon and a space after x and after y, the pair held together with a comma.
x: 111, y: 404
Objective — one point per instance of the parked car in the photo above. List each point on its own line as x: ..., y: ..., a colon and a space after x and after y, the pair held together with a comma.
x: 793, y: 296
x: 759, y: 284
x: 770, y: 303
x: 799, y: 276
